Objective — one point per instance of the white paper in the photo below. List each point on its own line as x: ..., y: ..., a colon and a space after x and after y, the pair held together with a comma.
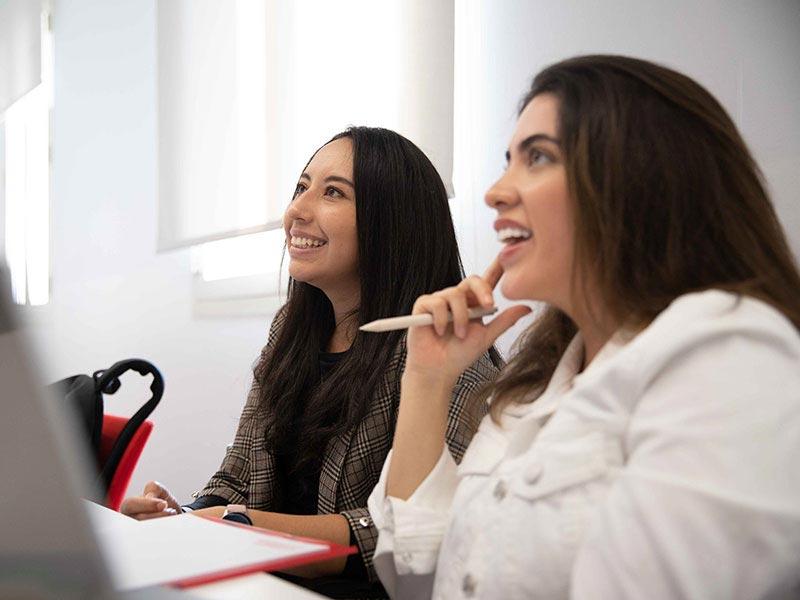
x: 158, y: 551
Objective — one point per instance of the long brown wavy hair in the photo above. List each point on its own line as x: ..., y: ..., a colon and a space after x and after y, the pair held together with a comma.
x: 667, y: 200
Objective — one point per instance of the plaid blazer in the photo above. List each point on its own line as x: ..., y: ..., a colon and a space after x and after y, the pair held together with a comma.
x: 353, y: 461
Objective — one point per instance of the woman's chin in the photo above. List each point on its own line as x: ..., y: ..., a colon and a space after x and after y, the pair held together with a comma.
x: 511, y: 290
x: 300, y: 275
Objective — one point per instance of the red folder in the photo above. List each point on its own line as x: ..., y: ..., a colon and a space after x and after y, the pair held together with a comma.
x: 330, y: 550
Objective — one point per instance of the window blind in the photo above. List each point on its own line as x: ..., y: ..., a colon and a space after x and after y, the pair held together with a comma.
x: 248, y: 89
x: 20, y: 49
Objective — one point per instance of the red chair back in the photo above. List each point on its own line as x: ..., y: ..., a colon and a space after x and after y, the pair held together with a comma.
x: 112, y: 426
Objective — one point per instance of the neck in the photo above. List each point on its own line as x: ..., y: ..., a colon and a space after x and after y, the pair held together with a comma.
x: 596, y: 329
x: 593, y: 341
x: 345, y: 312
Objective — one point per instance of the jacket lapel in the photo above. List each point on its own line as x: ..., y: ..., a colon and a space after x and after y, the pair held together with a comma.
x: 330, y: 475
x: 332, y: 482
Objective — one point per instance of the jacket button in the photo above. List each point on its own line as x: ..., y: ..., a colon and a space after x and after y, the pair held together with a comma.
x: 365, y: 521
x: 500, y: 490
x: 533, y: 471
x: 468, y: 585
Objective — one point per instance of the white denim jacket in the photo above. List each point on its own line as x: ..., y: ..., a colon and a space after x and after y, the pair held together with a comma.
x: 670, y: 468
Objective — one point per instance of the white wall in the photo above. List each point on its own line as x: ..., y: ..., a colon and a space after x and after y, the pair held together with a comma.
x: 746, y: 53
x: 113, y: 297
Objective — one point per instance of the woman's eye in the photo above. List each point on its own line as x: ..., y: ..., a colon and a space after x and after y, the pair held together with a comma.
x: 537, y: 157
x: 299, y: 190
x: 333, y: 192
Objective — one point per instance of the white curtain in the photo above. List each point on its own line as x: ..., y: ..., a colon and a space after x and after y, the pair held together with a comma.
x: 20, y: 49
x: 248, y: 89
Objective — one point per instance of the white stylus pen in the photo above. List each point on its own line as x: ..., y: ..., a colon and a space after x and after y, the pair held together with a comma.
x: 395, y: 323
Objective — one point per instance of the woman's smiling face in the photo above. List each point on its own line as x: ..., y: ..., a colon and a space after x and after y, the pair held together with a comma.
x: 320, y: 223
x: 534, y: 218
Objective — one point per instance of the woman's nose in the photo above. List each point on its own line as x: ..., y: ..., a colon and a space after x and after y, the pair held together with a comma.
x: 501, y: 195
x: 299, y: 208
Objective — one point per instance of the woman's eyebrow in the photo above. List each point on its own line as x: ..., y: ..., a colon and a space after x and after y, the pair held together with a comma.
x: 338, y: 179
x: 529, y: 141
x: 331, y: 178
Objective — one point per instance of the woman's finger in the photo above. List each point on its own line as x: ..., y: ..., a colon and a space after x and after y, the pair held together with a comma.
x: 479, y: 289
x: 493, y: 273
x: 458, y: 306
x: 169, y: 512
x: 419, y: 304
x: 438, y: 308
x: 154, y: 489
x: 502, y: 322
x: 141, y: 504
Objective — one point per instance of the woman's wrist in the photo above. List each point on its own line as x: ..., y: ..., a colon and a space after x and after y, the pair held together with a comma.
x: 432, y: 379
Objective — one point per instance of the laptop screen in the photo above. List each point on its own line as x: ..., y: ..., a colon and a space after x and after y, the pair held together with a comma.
x: 47, y: 548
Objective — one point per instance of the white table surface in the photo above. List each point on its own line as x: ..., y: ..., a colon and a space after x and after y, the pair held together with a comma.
x: 254, y: 585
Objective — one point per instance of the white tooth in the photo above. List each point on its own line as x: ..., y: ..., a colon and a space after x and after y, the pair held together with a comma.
x: 507, y: 233
x: 302, y: 242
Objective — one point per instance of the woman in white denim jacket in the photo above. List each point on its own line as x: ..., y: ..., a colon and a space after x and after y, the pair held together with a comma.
x: 644, y: 441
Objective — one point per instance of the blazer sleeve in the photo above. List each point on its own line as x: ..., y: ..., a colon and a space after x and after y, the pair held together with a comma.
x: 231, y: 482
x: 464, y: 417
x: 465, y: 413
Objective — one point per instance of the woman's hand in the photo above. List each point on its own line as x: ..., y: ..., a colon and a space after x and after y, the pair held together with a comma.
x: 437, y: 355
x: 155, y: 501
x: 443, y: 351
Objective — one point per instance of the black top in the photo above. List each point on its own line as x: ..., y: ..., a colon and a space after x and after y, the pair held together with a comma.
x: 300, y: 495
x: 301, y: 490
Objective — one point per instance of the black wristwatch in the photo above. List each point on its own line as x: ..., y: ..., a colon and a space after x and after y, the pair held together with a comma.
x: 237, y: 513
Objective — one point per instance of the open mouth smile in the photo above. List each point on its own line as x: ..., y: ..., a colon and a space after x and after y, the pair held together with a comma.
x: 513, y: 235
x: 304, y: 242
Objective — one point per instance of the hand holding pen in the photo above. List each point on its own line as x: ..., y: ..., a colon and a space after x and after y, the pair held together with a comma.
x: 457, y: 336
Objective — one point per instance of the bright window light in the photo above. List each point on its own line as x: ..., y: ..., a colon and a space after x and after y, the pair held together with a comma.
x: 26, y: 125
x: 27, y: 198
x: 311, y: 122
x: 240, y: 256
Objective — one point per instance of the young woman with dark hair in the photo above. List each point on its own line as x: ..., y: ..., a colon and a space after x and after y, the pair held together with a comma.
x: 368, y: 231
x: 643, y: 441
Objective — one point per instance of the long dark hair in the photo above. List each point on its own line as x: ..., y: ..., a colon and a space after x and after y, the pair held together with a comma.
x: 406, y: 248
x: 667, y: 200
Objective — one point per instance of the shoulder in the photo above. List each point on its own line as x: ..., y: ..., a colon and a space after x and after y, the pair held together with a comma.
x: 724, y: 309
x: 276, y: 325
x: 481, y: 371
x: 273, y: 332
x: 710, y: 350
x: 703, y: 319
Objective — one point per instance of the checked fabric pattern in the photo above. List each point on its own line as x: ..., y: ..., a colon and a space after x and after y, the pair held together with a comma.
x: 353, y: 461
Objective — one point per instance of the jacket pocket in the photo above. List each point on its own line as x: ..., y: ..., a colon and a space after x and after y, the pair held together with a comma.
x: 561, y: 466
x: 485, y: 451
